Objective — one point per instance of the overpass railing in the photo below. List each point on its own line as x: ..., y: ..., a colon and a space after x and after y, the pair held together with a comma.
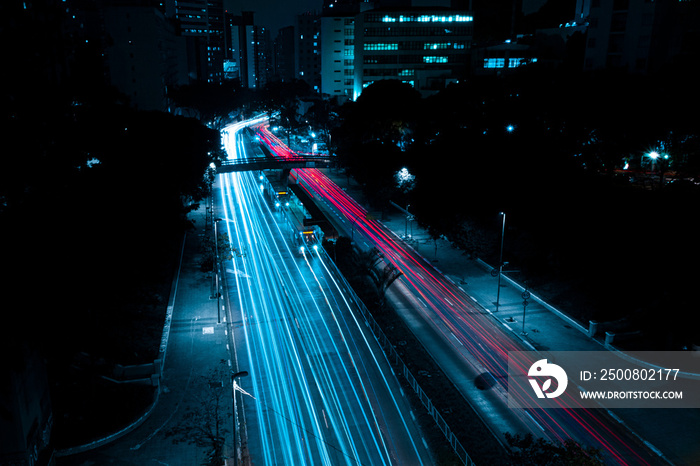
x: 270, y: 163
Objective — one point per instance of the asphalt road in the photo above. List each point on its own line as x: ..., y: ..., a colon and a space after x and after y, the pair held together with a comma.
x: 319, y: 390
x: 448, y: 314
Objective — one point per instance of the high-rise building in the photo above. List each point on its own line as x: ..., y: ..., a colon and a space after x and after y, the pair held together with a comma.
x: 338, y: 46
x: 247, y: 50
x: 308, y: 49
x: 425, y: 47
x: 262, y: 51
x: 284, y: 55
x: 238, y: 31
x: 640, y: 35
x: 202, y: 23
x: 145, y: 57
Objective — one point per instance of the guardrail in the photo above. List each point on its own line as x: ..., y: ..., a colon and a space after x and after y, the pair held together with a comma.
x: 394, y: 359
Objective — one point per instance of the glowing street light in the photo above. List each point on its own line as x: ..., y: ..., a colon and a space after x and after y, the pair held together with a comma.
x: 236, y: 451
x: 658, y: 161
x: 500, y: 262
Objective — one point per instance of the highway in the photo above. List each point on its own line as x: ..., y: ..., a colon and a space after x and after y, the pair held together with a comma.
x: 462, y: 337
x: 319, y: 389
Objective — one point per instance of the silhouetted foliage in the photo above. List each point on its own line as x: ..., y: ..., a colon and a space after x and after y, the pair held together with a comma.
x: 213, y: 103
x: 204, y: 424
x: 529, y: 451
x: 564, y: 155
x: 100, y: 195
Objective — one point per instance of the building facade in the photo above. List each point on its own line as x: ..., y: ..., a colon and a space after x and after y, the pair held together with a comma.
x: 425, y: 47
x: 247, y: 51
x: 308, y: 49
x: 145, y: 58
x: 284, y: 55
x: 338, y: 46
x: 640, y: 36
x: 202, y: 23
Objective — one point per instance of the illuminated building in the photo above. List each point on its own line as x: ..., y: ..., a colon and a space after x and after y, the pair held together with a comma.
x: 308, y: 49
x: 247, y: 54
x: 427, y: 48
x: 202, y: 24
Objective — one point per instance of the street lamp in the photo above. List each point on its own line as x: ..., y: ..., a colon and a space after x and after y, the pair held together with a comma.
x: 216, y: 270
x: 500, y: 261
x: 405, y: 234
x: 235, y: 413
x: 658, y: 162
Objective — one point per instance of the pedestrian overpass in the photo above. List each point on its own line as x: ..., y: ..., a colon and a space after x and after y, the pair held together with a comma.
x: 271, y: 163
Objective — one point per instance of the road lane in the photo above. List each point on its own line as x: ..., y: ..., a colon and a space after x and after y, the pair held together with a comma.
x: 318, y: 390
x: 450, y: 310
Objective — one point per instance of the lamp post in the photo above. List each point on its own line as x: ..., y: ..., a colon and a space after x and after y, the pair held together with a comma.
x: 525, y: 295
x: 658, y: 162
x: 500, y: 262
x: 405, y: 234
x: 235, y: 413
x: 216, y: 271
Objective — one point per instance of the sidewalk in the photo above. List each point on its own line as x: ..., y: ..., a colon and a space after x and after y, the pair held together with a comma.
x: 196, y: 346
x: 673, y: 432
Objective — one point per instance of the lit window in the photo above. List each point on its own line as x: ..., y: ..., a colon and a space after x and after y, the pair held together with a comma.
x: 434, y: 59
x: 494, y: 62
x: 436, y: 45
x: 381, y: 46
x: 515, y: 62
x: 428, y: 19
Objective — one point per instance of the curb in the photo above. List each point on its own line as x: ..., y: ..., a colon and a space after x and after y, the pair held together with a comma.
x: 161, y: 355
x: 112, y: 437
x: 544, y: 304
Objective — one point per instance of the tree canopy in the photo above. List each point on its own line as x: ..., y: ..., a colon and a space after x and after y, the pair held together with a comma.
x: 97, y: 198
x: 566, y: 156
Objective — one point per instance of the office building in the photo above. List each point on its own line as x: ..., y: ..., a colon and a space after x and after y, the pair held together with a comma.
x: 338, y: 48
x: 284, y: 55
x: 202, y: 23
x: 248, y: 51
x: 425, y: 47
x: 308, y: 49
x: 640, y: 35
x: 145, y: 58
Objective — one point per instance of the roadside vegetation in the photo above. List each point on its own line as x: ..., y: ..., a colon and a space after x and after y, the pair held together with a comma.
x: 598, y: 174
x: 365, y: 273
x: 94, y: 205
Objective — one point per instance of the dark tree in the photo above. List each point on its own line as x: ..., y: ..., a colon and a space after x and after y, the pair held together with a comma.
x: 529, y: 451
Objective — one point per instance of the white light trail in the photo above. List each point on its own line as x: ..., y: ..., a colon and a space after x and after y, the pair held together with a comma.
x: 317, y: 400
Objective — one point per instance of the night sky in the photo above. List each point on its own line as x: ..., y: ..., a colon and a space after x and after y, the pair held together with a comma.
x: 274, y: 14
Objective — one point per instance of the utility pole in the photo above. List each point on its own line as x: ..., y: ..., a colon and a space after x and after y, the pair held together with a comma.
x: 235, y: 413
x: 500, y: 262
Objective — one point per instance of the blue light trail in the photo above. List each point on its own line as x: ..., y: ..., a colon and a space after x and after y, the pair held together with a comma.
x: 321, y: 389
